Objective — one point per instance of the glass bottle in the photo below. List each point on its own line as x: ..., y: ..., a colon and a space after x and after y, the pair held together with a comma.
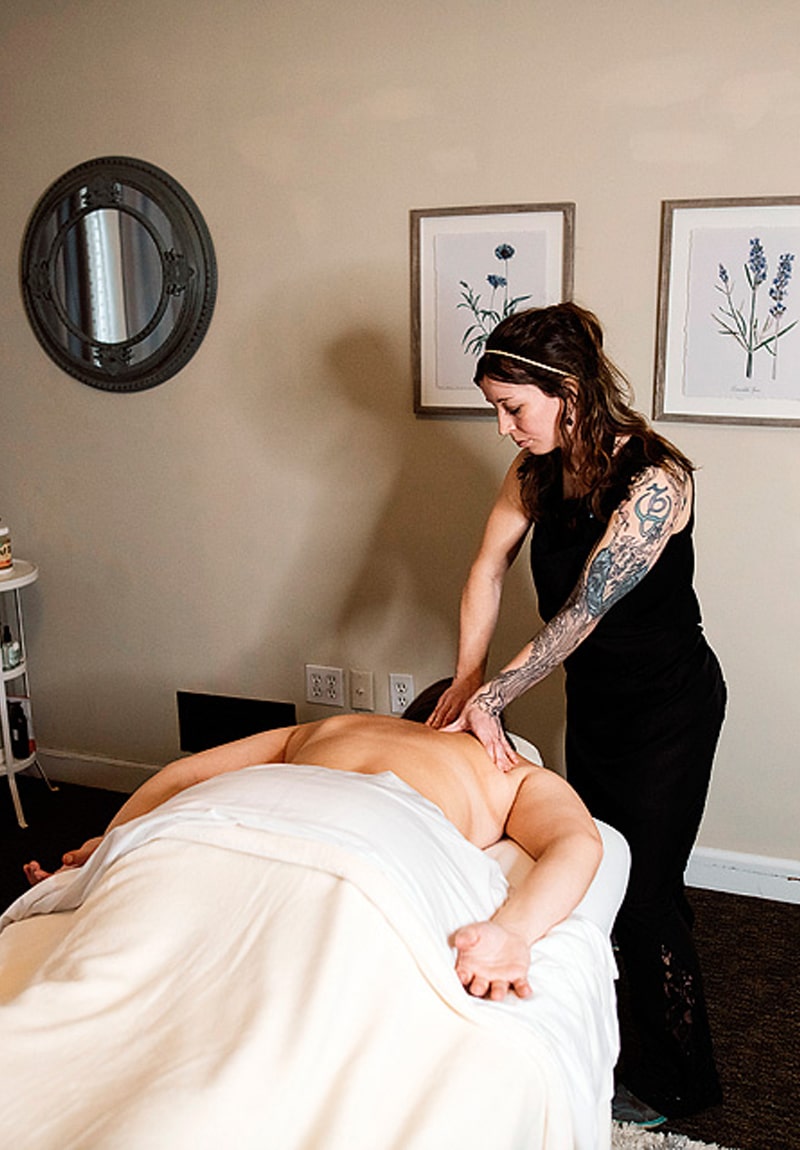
x: 10, y: 650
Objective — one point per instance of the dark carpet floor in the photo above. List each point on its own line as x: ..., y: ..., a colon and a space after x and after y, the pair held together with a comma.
x: 749, y: 952
x: 749, y: 949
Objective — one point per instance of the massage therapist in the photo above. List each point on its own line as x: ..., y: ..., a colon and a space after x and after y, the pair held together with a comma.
x: 611, y: 504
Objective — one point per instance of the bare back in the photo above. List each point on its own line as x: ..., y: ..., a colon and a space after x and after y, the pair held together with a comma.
x: 451, y: 770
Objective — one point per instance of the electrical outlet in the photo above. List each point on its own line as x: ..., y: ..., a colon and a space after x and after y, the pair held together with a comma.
x: 401, y: 692
x: 324, y: 685
x: 362, y: 690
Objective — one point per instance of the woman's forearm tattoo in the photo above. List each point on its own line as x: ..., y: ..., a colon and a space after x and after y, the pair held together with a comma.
x: 549, y: 648
x: 640, y: 532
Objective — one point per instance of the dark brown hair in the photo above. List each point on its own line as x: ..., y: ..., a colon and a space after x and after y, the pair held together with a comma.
x: 596, y: 395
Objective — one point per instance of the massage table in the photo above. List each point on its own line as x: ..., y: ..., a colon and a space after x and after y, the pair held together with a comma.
x: 252, y: 966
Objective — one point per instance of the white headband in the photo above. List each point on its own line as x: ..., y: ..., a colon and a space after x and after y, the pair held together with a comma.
x: 524, y: 359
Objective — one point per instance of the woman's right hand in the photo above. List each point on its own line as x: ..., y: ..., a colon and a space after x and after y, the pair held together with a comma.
x: 451, y: 702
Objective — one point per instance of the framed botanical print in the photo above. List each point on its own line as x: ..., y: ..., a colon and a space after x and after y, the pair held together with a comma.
x: 728, y: 339
x: 470, y: 268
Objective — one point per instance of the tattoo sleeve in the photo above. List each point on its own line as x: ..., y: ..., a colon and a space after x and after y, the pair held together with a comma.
x: 636, y: 535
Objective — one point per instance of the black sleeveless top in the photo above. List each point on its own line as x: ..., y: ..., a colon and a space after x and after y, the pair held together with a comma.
x: 647, y: 642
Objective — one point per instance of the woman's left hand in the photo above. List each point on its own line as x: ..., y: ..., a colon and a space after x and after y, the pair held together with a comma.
x: 488, y: 730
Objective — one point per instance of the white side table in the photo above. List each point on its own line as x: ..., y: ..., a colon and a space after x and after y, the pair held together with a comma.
x: 14, y: 682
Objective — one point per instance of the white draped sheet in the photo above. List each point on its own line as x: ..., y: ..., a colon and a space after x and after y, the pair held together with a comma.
x: 264, y: 962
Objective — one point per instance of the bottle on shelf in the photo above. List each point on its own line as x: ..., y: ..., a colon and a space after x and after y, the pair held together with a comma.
x: 18, y: 727
x: 10, y: 650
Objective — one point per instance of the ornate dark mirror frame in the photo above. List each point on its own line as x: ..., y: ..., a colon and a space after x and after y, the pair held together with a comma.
x: 118, y: 274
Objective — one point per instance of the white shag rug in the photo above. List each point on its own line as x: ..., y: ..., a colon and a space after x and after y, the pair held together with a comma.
x: 624, y: 1136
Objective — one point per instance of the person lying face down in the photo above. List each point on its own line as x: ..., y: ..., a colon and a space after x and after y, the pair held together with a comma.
x: 529, y: 804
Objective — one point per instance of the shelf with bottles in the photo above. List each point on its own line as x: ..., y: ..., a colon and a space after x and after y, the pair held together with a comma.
x: 17, y: 744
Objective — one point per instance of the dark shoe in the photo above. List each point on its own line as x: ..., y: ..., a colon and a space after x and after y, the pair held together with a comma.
x: 626, y: 1107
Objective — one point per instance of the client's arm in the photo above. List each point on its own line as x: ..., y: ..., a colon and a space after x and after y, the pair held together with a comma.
x: 267, y: 747
x: 550, y: 822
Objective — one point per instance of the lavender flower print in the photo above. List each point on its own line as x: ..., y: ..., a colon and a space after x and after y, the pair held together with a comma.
x: 741, y: 320
x: 777, y: 293
x: 485, y: 319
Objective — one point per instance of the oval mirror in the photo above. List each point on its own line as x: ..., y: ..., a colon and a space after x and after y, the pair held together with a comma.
x: 118, y: 274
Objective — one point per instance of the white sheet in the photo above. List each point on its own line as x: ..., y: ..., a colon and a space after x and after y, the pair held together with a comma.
x: 144, y: 920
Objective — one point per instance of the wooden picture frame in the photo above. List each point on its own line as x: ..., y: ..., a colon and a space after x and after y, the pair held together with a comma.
x: 728, y: 332
x: 470, y: 267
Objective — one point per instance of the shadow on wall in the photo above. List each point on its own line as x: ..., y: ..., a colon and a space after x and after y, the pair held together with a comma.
x: 422, y: 541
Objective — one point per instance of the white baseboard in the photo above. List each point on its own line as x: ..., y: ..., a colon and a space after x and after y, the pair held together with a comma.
x: 709, y: 868
x: 757, y: 875
x: 93, y: 771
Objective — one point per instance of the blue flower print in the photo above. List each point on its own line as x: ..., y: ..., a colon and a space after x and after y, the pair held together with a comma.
x: 485, y: 319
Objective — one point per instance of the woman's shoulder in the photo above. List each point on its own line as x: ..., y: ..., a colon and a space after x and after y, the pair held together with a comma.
x: 636, y: 458
x: 652, y: 480
x: 639, y: 451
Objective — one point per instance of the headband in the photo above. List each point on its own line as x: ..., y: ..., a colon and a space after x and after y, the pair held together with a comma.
x: 524, y: 359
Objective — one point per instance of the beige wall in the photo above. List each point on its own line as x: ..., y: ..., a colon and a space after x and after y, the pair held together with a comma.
x: 277, y: 502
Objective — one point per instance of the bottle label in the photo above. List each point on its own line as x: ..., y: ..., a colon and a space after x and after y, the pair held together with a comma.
x: 5, y: 551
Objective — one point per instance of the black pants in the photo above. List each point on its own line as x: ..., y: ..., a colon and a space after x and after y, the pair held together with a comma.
x: 650, y: 782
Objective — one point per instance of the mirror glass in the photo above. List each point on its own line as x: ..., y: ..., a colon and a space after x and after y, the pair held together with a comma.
x: 118, y: 274
x: 115, y: 259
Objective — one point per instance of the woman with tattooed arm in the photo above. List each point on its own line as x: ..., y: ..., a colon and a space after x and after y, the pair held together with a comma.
x: 611, y: 505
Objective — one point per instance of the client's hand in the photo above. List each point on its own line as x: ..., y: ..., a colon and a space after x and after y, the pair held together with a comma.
x: 72, y: 859
x: 491, y: 961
